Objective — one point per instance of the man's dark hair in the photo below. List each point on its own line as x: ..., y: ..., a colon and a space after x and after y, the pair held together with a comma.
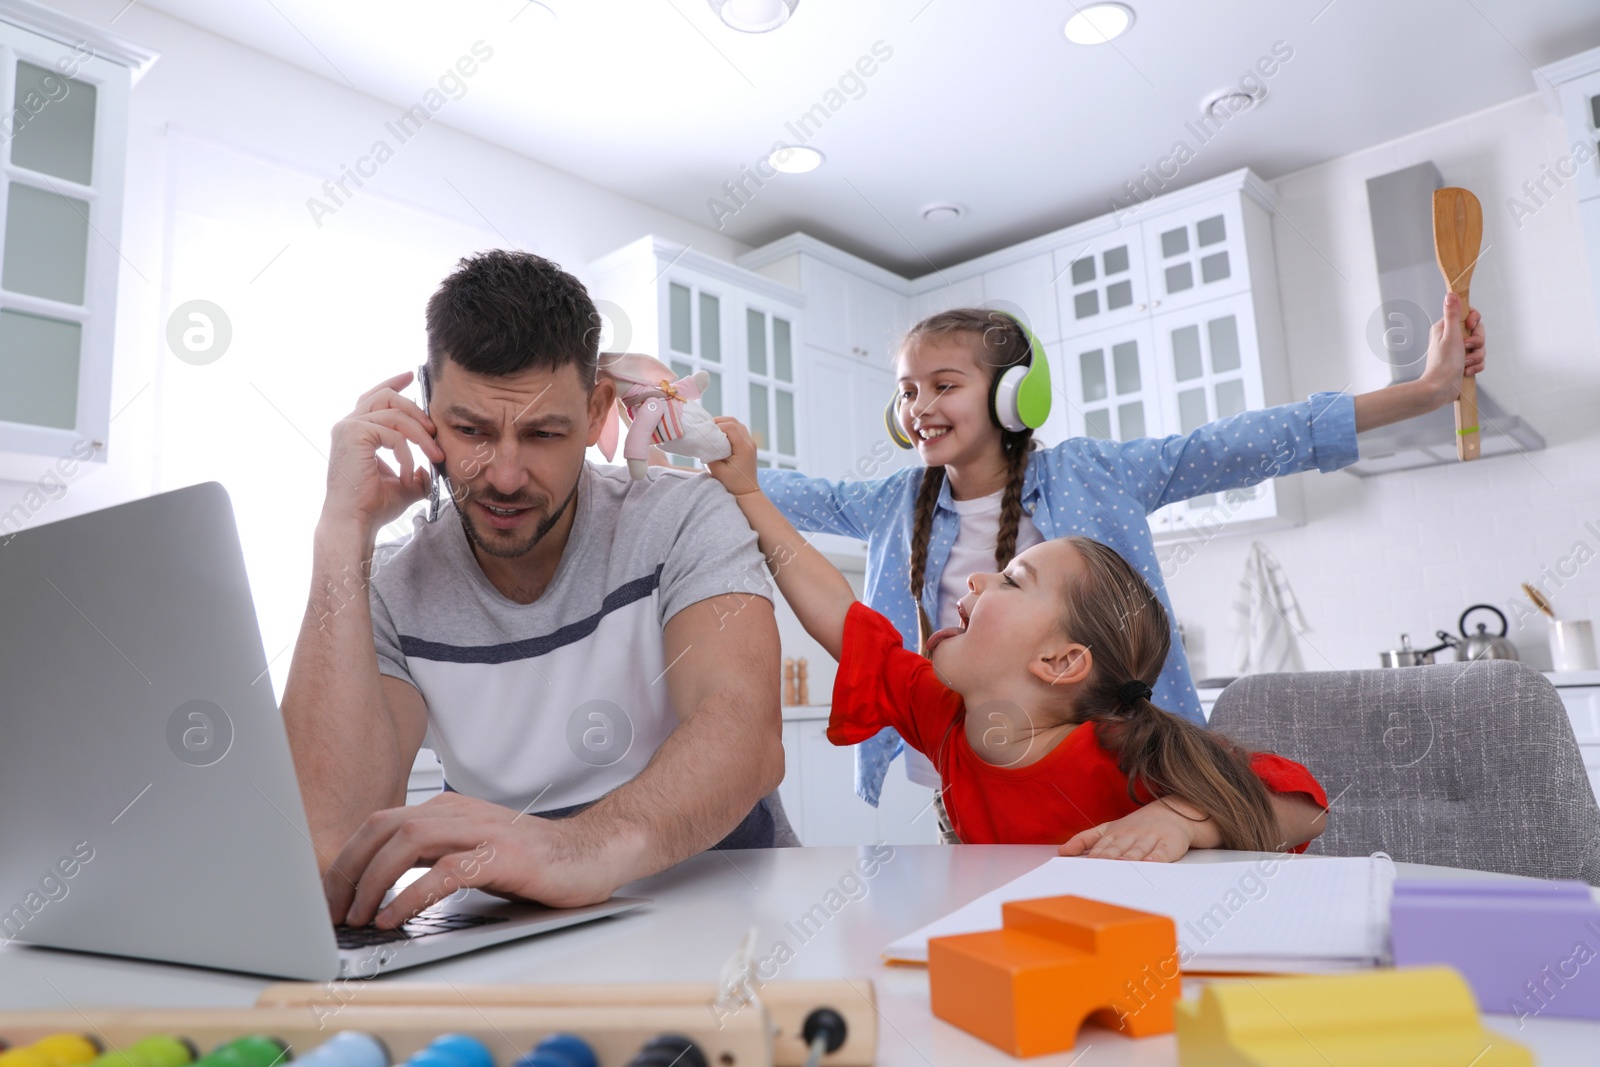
x: 502, y: 312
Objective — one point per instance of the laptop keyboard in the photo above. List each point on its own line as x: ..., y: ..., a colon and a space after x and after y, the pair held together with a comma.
x: 420, y: 926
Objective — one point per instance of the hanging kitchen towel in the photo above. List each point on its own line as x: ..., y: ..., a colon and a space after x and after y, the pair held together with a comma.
x: 1268, y: 616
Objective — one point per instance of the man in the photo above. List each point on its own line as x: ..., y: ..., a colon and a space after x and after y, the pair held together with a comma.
x: 594, y: 659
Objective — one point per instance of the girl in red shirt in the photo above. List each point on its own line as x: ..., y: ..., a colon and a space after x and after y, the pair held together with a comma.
x: 1036, y: 709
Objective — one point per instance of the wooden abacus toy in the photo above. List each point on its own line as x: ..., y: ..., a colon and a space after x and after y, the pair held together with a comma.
x: 356, y: 1024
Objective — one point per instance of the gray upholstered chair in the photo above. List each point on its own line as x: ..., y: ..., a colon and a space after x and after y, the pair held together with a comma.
x: 1461, y: 764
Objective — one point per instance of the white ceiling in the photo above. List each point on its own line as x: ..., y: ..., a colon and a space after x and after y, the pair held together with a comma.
x: 981, y: 103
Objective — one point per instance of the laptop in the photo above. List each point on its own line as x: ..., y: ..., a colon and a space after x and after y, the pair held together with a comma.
x: 150, y: 803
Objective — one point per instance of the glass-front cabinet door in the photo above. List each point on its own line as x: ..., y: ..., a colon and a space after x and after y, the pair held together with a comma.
x: 1110, y: 383
x: 694, y: 334
x: 1195, y: 255
x: 1101, y: 283
x: 1207, y: 361
x: 63, y: 134
x: 770, y: 367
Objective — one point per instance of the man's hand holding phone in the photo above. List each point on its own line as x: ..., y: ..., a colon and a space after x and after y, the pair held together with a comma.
x: 363, y: 493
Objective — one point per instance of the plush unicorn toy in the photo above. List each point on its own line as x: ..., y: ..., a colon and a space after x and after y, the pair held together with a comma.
x: 660, y: 411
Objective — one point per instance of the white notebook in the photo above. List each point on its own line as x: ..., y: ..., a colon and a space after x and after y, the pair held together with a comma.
x: 1284, y: 915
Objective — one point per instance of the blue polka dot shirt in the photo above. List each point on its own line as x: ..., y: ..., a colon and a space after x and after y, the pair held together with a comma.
x: 1082, y: 486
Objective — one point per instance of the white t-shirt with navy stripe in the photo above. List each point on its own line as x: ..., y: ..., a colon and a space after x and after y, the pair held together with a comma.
x: 546, y: 705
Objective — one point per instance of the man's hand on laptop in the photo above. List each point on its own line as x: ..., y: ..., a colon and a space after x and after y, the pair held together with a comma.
x: 469, y: 843
x: 361, y: 488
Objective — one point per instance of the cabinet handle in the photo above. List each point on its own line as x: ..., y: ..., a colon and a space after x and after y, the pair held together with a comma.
x: 1155, y: 304
x: 1143, y: 306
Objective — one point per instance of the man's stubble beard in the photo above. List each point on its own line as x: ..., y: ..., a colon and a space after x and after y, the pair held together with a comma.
x: 500, y: 549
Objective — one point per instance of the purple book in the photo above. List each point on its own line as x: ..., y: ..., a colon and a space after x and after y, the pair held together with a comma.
x: 1527, y: 948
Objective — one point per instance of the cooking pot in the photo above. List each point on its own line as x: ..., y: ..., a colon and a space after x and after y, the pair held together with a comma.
x: 1406, y: 656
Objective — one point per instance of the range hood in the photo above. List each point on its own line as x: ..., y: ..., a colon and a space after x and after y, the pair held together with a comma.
x: 1412, y: 290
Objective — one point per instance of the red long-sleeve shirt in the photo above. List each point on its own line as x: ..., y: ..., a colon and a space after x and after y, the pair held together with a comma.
x: 1074, y: 787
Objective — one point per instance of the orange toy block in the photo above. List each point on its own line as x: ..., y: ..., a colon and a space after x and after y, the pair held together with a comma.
x: 1057, y: 962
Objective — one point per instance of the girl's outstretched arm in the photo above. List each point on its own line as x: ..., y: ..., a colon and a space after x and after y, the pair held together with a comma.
x: 1167, y: 827
x: 814, y: 588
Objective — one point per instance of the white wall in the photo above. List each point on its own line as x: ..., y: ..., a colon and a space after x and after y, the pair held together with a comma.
x: 1407, y: 552
x: 290, y: 130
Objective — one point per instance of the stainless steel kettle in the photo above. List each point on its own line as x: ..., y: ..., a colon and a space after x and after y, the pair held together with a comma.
x: 1482, y: 644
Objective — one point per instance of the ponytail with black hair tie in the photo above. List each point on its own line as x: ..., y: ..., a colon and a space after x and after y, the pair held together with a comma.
x: 1133, y: 692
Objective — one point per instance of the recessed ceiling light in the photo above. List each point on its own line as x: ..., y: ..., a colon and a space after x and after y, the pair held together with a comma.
x: 942, y: 212
x: 1099, y: 23
x: 754, y: 16
x: 1227, y: 103
x: 795, y: 159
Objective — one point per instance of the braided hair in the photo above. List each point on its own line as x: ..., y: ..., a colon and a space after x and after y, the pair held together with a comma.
x: 999, y: 343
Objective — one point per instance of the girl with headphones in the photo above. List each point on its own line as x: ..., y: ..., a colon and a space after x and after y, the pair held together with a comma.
x: 974, y: 385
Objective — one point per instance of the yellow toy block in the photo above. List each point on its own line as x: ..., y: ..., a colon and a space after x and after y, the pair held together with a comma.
x: 1057, y: 962
x: 1407, y: 1017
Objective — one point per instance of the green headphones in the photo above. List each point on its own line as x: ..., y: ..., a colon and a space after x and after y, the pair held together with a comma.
x: 1019, y: 396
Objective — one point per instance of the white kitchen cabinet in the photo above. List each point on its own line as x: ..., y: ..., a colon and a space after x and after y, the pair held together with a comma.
x: 1207, y: 365
x: 831, y: 381
x: 855, y: 315
x: 848, y: 439
x: 1572, y: 89
x: 828, y: 321
x: 1102, y: 281
x: 770, y: 378
x: 847, y: 428
x: 64, y: 89
x: 818, y: 791
x: 1030, y: 284
x: 1170, y: 259
x: 1173, y: 257
x: 695, y: 312
x: 1580, y: 693
x: 1171, y: 374
x: 878, y: 321
x: 829, y: 808
x: 1108, y: 382
x: 1171, y: 322
x: 853, y: 308
x: 1196, y: 254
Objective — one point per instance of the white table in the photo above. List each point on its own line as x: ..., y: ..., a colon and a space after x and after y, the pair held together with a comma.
x: 701, y: 911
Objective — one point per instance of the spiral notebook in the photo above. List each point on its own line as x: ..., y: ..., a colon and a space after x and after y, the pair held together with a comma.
x: 1280, y: 915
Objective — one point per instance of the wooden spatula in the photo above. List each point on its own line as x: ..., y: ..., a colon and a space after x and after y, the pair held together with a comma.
x: 1457, y: 233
